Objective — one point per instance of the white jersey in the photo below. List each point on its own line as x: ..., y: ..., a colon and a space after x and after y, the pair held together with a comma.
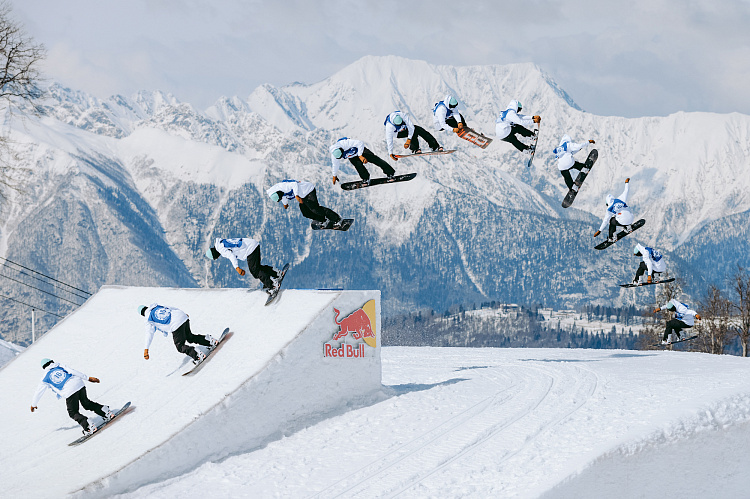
x: 391, y: 130
x: 351, y: 148
x: 682, y: 312
x: 618, y: 207
x: 511, y: 116
x: 163, y: 319
x: 442, y: 112
x: 565, y: 151
x: 61, y: 379
x: 654, y: 260
x: 238, y: 248
x: 292, y: 188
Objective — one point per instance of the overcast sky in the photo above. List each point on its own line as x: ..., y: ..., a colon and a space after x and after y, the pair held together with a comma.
x: 620, y: 57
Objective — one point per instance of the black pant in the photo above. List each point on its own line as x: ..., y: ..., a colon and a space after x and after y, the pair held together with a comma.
x: 642, y: 268
x: 419, y: 132
x: 77, y: 398
x: 674, y: 326
x: 183, y: 335
x: 451, y: 122
x: 512, y: 139
x: 613, y: 225
x: 312, y: 210
x: 262, y: 272
x: 371, y: 158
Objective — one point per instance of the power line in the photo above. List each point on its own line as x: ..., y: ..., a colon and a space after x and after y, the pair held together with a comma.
x: 51, y: 284
x: 32, y: 306
x: 39, y: 289
x: 48, y: 277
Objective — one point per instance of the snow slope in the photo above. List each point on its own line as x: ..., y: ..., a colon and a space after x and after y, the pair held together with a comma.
x: 513, y: 423
x: 8, y: 352
x: 271, y: 377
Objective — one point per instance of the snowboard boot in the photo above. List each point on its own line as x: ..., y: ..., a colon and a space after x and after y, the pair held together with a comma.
x: 108, y: 415
x: 328, y: 224
x: 213, y: 341
x: 438, y: 149
x: 365, y: 182
x: 612, y: 238
x: 199, y: 357
x: 90, y: 430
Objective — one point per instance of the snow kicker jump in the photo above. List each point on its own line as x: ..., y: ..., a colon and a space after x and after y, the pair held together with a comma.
x: 288, y: 365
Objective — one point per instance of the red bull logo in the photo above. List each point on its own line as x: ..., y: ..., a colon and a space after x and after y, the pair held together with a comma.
x: 360, y: 325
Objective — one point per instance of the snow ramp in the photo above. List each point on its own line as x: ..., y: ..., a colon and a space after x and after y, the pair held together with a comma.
x: 310, y: 354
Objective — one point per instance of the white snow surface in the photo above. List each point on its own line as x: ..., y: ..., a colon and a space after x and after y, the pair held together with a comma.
x: 512, y: 423
x: 8, y: 351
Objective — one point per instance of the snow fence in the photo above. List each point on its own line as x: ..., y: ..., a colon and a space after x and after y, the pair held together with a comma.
x: 308, y: 355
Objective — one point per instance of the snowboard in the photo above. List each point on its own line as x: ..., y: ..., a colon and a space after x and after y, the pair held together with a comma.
x: 533, y: 146
x: 572, y: 193
x: 675, y: 342
x: 195, y: 367
x: 342, y: 225
x: 631, y: 285
x: 101, y: 427
x: 635, y: 226
x: 428, y: 153
x: 348, y: 186
x: 474, y: 137
x: 275, y: 292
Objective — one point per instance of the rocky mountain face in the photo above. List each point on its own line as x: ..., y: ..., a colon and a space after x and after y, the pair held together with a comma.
x: 132, y: 190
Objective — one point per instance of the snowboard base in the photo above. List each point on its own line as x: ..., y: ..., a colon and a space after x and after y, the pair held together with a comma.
x: 195, y: 367
x: 101, y: 427
x: 533, y: 146
x: 342, y: 225
x: 348, y: 186
x: 275, y: 292
x: 474, y: 137
x: 572, y: 193
x: 428, y: 153
x: 635, y: 226
x: 675, y: 342
x: 632, y: 285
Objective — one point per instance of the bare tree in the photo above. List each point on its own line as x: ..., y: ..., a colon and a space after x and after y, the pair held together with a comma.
x: 714, y: 331
x: 741, y: 325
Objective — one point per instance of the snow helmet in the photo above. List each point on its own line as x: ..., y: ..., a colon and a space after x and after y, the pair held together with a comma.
x: 565, y: 139
x: 515, y: 105
x: 397, y: 120
x: 610, y: 199
x: 638, y: 250
x: 45, y: 362
x: 209, y: 253
x: 451, y: 101
x: 670, y: 306
x: 275, y: 196
x: 142, y: 309
x: 337, y: 153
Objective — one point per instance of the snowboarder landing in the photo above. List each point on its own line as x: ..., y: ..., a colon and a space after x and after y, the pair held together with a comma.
x: 358, y: 155
x: 565, y: 161
x: 510, y: 123
x: 244, y: 248
x: 173, y: 320
x: 684, y: 319
x: 444, y: 115
x: 618, y: 213
x: 399, y: 125
x: 653, y: 263
x: 304, y: 193
x: 69, y: 383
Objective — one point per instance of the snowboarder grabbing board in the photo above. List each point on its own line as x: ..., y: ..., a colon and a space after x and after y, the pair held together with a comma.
x: 510, y: 124
x: 304, y: 193
x: 358, y: 155
x: 244, y: 248
x: 684, y: 318
x: 399, y: 125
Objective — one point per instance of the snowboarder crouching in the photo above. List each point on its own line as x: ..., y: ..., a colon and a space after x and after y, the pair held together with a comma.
x: 399, y: 125
x: 358, y: 155
x: 244, y: 248
x: 565, y: 161
x: 173, y: 320
x: 684, y: 319
x: 653, y: 262
x: 304, y: 193
x: 69, y: 383
x: 444, y: 115
x: 618, y: 213
x: 510, y: 123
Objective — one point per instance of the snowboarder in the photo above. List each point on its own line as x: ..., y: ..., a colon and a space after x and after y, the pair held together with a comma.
x: 304, y: 193
x: 565, y: 161
x: 510, y: 123
x: 684, y: 318
x: 653, y: 263
x: 398, y: 124
x: 69, y: 383
x: 358, y: 155
x: 444, y: 115
x: 618, y: 214
x: 244, y: 248
x: 173, y: 320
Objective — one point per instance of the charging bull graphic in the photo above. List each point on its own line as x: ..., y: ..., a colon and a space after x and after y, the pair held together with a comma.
x: 359, y: 325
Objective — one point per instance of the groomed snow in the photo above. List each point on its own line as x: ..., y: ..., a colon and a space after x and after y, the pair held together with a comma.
x: 512, y: 423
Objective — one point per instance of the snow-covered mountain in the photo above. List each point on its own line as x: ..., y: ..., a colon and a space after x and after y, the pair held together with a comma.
x: 130, y: 190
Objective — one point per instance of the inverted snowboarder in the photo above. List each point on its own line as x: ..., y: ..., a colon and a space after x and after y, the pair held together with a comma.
x: 69, y: 384
x: 653, y: 262
x: 399, y: 125
x: 684, y: 318
x: 244, y: 248
x: 618, y: 215
x: 567, y: 164
x: 510, y: 124
x: 173, y: 320
x: 358, y: 155
x: 304, y: 193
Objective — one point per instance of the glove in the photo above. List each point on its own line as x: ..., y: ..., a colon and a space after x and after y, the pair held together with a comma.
x: 335, y: 178
x: 393, y: 157
x: 627, y: 180
x: 240, y: 271
x: 597, y: 233
x: 537, y: 119
x: 460, y: 125
x: 456, y: 130
x: 648, y: 279
x: 145, y: 354
x: 657, y: 310
x: 698, y: 316
x: 407, y: 143
x: 93, y: 380
x: 363, y: 159
x: 33, y: 408
x: 591, y: 141
x: 299, y: 199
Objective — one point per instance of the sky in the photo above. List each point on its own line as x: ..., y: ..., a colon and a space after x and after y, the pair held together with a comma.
x: 634, y: 58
